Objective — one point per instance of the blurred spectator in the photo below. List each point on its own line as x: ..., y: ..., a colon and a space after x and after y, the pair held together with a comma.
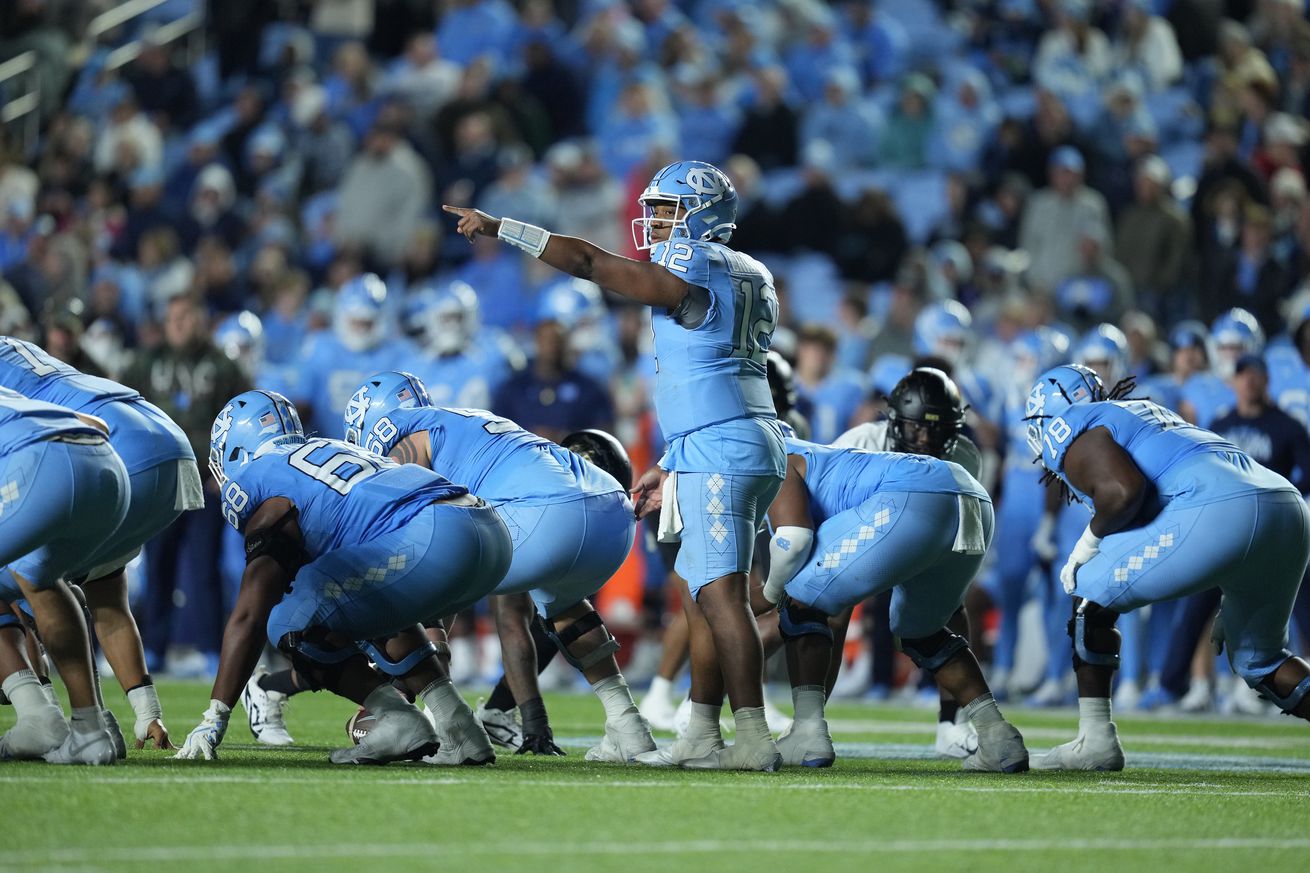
x: 1099, y: 290
x: 903, y: 144
x: 1058, y: 217
x: 822, y: 48
x: 163, y: 269
x: 518, y: 191
x: 247, y: 111
x: 211, y: 210
x: 1288, y: 196
x: 389, y: 191
x: 880, y: 40
x: 130, y: 141
x: 589, y: 204
x: 1222, y: 163
x: 870, y: 240
x: 844, y: 121
x: 421, y: 77
x: 628, y: 133
x: 324, y: 144
x: 1003, y: 212
x: 1073, y: 56
x: 768, y: 131
x: 1154, y: 241
x: 758, y: 224
x: 1240, y: 67
x: 190, y: 380
x: 1145, y: 43
x: 62, y: 331
x: 1026, y: 148
x: 1219, y: 228
x: 816, y: 209
x: 163, y: 90
x: 707, y: 120
x: 1284, y: 138
x: 1250, y: 277
x: 833, y: 393
x: 966, y: 117
x: 550, y: 397
x: 473, y: 28
x: 555, y: 87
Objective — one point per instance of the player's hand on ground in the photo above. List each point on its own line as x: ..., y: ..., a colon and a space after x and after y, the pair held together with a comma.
x: 474, y: 221
x: 648, y: 496
x: 202, y: 742
x: 156, y: 733
x: 539, y: 744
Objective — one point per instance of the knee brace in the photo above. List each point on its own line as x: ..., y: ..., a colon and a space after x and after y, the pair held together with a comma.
x: 376, y: 649
x: 1287, y: 704
x: 797, y: 620
x: 932, y: 652
x: 567, y: 637
x: 319, y: 667
x: 1095, y: 638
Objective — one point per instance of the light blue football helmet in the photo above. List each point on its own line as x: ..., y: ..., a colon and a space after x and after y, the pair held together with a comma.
x: 251, y: 423
x: 571, y: 302
x: 380, y: 395
x: 705, y: 198
x: 240, y: 337
x: 450, y: 319
x: 887, y: 370
x: 1054, y: 392
x: 1234, y: 334
x: 1104, y: 348
x: 359, y: 319
x: 942, y: 330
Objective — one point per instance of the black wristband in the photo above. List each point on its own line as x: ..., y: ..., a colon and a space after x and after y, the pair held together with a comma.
x: 533, y: 715
x: 142, y: 684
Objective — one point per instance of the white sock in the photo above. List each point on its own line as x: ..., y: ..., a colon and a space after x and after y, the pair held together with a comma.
x: 751, y: 725
x: 808, y: 700
x: 1093, y: 714
x: 48, y: 690
x: 383, y: 698
x: 704, y: 724
x: 88, y: 720
x: 983, y: 711
x: 614, y: 695
x: 442, y: 700
x: 24, y: 691
x: 661, y: 689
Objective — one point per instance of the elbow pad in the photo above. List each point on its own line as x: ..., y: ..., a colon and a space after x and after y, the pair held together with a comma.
x: 789, y: 549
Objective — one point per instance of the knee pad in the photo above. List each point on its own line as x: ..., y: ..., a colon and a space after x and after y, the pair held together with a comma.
x: 376, y: 649
x: 797, y: 620
x: 932, y: 652
x: 567, y: 637
x: 319, y: 666
x: 1287, y: 704
x: 1095, y: 638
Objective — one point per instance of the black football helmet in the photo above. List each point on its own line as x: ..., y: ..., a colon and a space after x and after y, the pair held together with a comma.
x: 925, y: 413
x: 603, y: 450
x: 782, y: 383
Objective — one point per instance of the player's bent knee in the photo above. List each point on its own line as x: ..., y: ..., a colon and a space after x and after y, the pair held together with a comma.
x: 932, y: 652
x: 377, y: 650
x: 797, y: 620
x: 315, y: 661
x: 1096, y: 640
x: 574, y: 631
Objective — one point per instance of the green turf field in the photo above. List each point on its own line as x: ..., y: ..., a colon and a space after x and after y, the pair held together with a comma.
x: 1200, y: 794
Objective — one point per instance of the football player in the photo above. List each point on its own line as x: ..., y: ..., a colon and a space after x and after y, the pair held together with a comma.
x: 572, y: 526
x: 333, y: 362
x: 372, y: 548
x: 165, y: 482
x: 849, y: 524
x: 715, y: 312
x: 1176, y: 510
x: 64, y: 492
x: 462, y: 363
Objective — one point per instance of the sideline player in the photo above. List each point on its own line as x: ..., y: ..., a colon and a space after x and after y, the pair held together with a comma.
x: 64, y: 493
x: 715, y: 312
x: 164, y: 483
x: 345, y: 553
x: 1176, y: 510
x: 572, y: 526
x: 849, y: 524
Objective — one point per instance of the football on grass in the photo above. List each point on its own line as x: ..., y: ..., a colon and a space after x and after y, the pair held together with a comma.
x: 359, y: 724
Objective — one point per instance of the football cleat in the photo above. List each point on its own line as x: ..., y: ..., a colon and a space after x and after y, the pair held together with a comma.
x: 1000, y: 750
x: 759, y: 757
x: 265, y: 713
x: 1052, y: 692
x: 400, y: 734
x: 115, y: 734
x: 659, y: 711
x: 95, y: 748
x: 1098, y: 750
x: 34, y: 735
x: 463, y: 743
x: 777, y: 720
x: 807, y: 743
x: 681, y: 750
x: 956, y: 740
x: 502, y: 726
x: 626, y: 737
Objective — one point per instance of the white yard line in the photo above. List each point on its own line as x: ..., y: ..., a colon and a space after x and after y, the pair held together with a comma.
x: 929, y: 727
x: 564, y: 848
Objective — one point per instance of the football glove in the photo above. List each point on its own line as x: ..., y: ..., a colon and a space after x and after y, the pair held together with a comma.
x: 1087, y: 547
x: 202, y: 742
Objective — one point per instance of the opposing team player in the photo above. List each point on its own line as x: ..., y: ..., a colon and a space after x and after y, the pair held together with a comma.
x: 346, y: 552
x: 715, y: 311
x: 850, y: 524
x: 572, y: 527
x: 925, y: 416
x: 164, y: 483
x: 64, y: 493
x: 1176, y: 510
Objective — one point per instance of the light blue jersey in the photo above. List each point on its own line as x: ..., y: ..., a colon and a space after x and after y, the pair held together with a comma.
x: 344, y: 495
x: 839, y: 479
x: 712, y: 370
x: 833, y: 403
x: 467, y: 380
x: 24, y: 421
x: 1289, y: 382
x: 330, y: 372
x: 493, y: 457
x: 1184, y: 462
x: 1209, y: 396
x: 142, y: 435
x: 1162, y: 389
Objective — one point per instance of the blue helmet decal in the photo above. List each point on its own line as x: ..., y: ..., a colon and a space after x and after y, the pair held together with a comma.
x: 250, y: 423
x: 704, y: 199
x: 381, y: 394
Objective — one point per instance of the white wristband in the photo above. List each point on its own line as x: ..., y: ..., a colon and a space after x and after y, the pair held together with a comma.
x: 528, y: 237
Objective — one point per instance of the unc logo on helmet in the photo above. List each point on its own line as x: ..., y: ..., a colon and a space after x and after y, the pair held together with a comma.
x: 1051, y: 396
x: 381, y: 394
x: 703, y: 199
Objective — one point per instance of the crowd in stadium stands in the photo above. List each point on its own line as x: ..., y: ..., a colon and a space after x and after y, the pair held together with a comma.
x: 943, y: 177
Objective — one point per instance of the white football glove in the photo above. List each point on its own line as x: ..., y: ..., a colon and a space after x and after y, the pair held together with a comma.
x: 203, y: 740
x: 1087, y: 547
x: 1043, y: 541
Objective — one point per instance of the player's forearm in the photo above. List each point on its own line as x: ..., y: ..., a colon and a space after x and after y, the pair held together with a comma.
x: 242, y: 643
x: 1116, y: 507
x: 623, y: 276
